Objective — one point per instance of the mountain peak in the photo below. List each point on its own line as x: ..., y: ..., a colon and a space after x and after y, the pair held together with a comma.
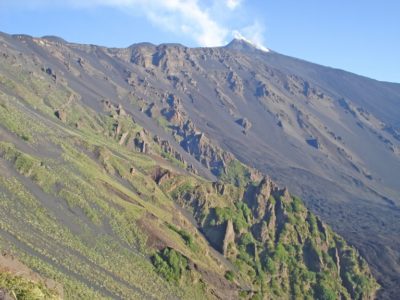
x: 242, y: 43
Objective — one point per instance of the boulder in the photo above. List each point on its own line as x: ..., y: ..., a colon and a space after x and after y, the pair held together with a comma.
x: 245, y: 123
x: 313, y: 142
x: 61, y: 115
x: 120, y: 110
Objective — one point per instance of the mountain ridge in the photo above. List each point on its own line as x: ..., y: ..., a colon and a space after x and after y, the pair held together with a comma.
x: 55, y: 38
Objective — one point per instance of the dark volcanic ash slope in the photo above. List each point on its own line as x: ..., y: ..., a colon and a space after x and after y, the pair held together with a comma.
x: 332, y: 137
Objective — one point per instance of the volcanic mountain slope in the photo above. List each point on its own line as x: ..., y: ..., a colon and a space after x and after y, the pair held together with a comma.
x: 108, y: 209
x: 207, y: 111
x: 87, y: 199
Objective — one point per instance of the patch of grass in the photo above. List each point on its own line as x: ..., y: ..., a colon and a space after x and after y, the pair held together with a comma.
x: 236, y: 173
x: 24, y: 289
x: 187, y: 237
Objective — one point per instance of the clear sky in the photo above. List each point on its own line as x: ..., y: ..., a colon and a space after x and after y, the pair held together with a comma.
x: 361, y: 36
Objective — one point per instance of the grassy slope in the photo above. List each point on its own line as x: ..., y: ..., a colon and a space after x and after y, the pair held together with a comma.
x: 71, y: 207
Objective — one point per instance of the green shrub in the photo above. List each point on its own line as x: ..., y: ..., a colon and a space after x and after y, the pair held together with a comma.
x: 312, y: 222
x: 270, y: 266
x: 229, y: 275
x: 297, y: 205
x: 170, y: 264
x: 245, y: 210
x: 280, y: 253
x: 324, y: 292
x: 246, y: 239
x: 226, y: 213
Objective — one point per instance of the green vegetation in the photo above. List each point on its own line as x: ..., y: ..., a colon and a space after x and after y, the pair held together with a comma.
x: 324, y: 291
x: 229, y: 275
x: 237, y: 216
x: 236, y: 173
x: 297, y: 205
x: 282, y: 253
x: 170, y: 264
x: 24, y: 289
x: 187, y: 237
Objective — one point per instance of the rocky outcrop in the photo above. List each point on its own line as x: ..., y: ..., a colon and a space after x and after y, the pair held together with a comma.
x: 61, y: 114
x: 311, y: 257
x: 174, y: 112
x: 132, y: 170
x: 334, y: 253
x: 314, y: 142
x: 209, y: 155
x: 235, y: 83
x: 219, y: 187
x: 143, y: 56
x: 140, y: 143
x: 51, y: 73
x: 392, y: 131
x: 244, y: 123
x: 229, y: 238
x: 115, y: 109
x: 167, y: 148
x: 299, y: 87
x: 123, y: 138
x: 173, y: 115
x: 259, y: 197
x: 160, y: 175
x: 266, y: 227
x: 152, y: 110
x: 225, y: 101
x: 117, y: 127
x: 120, y: 110
x: 262, y: 90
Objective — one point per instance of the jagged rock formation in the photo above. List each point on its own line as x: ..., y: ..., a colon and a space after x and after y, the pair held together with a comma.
x: 235, y: 83
x: 267, y: 230
x: 229, y: 237
x: 160, y: 175
x: 210, y: 156
x: 245, y: 123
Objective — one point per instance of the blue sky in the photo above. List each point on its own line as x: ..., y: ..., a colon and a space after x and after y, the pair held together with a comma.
x: 361, y: 36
